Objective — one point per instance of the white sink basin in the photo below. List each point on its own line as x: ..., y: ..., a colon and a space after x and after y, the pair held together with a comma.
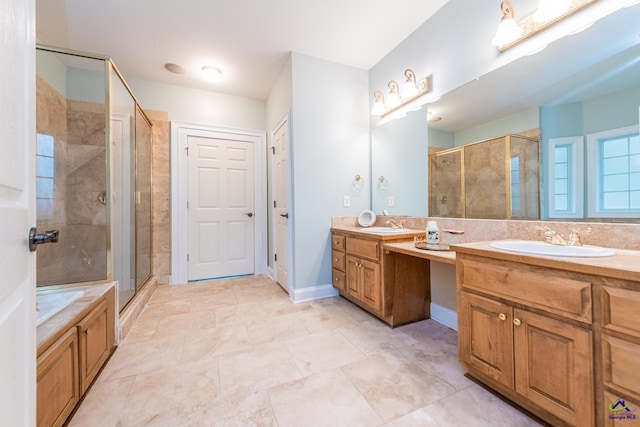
x: 540, y: 248
x: 384, y: 230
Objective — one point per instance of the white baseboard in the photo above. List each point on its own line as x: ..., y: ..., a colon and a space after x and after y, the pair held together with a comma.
x: 312, y: 293
x: 445, y: 316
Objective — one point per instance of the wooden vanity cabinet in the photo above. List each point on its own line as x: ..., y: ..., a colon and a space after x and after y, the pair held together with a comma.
x: 66, y: 368
x: 513, y: 337
x: 361, y: 272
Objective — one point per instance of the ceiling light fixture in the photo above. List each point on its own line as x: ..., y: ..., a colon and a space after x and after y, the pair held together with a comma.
x: 508, y: 30
x: 212, y: 74
x: 397, y: 99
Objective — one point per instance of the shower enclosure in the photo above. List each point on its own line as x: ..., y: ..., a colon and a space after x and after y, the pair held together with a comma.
x: 93, y: 174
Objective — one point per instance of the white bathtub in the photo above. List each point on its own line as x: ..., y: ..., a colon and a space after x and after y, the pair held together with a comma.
x: 51, y: 303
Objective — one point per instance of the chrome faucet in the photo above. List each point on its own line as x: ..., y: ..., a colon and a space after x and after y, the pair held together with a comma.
x: 397, y: 225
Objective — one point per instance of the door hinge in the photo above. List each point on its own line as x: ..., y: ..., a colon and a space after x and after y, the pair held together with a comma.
x: 275, y: 257
x: 187, y: 204
x: 274, y: 203
x: 187, y: 257
x: 273, y: 150
x: 186, y: 149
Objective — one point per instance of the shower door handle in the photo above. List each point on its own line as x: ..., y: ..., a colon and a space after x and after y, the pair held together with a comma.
x: 35, y: 239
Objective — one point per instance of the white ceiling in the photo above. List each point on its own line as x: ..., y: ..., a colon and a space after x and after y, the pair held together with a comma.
x: 250, y: 40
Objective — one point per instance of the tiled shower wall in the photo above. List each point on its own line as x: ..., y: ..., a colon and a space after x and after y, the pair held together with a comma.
x: 78, y: 132
x: 79, y: 177
x: 161, y: 188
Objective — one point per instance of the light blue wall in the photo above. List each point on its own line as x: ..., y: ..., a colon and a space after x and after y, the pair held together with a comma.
x: 200, y: 106
x: 612, y: 111
x: 330, y: 145
x: 399, y: 153
x: 514, y: 123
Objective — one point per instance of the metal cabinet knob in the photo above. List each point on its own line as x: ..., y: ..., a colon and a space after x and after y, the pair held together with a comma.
x: 502, y: 316
x: 517, y: 322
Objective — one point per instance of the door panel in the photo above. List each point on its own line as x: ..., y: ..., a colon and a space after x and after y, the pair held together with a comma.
x: 554, y: 367
x: 488, y: 347
x: 17, y: 213
x: 281, y: 197
x: 220, y: 206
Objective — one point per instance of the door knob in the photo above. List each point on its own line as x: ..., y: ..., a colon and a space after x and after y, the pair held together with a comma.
x: 249, y: 214
x: 35, y: 239
x: 285, y: 215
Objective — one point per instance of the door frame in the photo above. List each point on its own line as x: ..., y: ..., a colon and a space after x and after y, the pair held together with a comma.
x: 179, y: 193
x: 273, y: 271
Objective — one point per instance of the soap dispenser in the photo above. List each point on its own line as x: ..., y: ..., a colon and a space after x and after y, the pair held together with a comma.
x: 433, y: 233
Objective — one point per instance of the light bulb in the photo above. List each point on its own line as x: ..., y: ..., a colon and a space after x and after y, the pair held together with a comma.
x: 212, y: 74
x: 549, y: 10
x: 507, y: 32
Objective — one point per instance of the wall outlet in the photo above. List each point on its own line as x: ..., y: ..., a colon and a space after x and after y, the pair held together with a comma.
x: 346, y: 202
x: 392, y: 201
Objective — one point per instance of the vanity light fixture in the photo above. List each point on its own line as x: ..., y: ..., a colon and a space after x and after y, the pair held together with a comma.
x: 212, y: 74
x: 548, y: 13
x: 508, y: 29
x: 397, y: 99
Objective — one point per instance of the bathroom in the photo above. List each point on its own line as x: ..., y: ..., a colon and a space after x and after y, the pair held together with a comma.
x: 313, y: 187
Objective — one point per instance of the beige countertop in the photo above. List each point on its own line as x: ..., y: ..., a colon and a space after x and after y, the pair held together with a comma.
x: 358, y: 232
x: 408, y: 248
x: 49, y: 330
x: 624, y: 265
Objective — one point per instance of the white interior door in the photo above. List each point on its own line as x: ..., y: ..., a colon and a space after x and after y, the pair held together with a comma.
x: 220, y: 205
x: 17, y: 213
x: 281, y: 197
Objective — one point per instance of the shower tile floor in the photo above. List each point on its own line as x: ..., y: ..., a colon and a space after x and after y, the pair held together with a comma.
x: 237, y: 352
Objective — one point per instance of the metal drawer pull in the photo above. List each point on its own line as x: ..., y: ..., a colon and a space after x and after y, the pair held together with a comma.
x: 517, y: 322
x: 502, y: 316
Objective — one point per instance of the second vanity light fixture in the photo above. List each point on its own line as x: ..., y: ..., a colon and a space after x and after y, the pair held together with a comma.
x: 412, y: 89
x: 511, y: 32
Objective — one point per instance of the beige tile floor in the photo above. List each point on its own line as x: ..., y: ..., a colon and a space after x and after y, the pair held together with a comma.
x: 237, y: 352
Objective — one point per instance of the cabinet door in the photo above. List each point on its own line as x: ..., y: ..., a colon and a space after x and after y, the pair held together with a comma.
x: 371, y: 284
x: 354, y: 283
x: 94, y: 344
x: 554, y: 366
x: 485, y: 337
x: 58, y: 388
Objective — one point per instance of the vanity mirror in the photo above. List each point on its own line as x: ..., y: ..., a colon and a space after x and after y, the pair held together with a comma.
x: 574, y: 91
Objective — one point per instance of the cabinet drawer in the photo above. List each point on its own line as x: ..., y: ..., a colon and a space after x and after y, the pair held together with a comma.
x: 337, y: 242
x: 553, y: 293
x: 620, y: 308
x: 621, y: 366
x: 361, y: 247
x: 339, y: 280
x: 337, y: 260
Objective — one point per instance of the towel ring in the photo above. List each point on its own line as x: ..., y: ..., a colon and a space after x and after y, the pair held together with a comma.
x: 358, y: 183
x: 383, y: 183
